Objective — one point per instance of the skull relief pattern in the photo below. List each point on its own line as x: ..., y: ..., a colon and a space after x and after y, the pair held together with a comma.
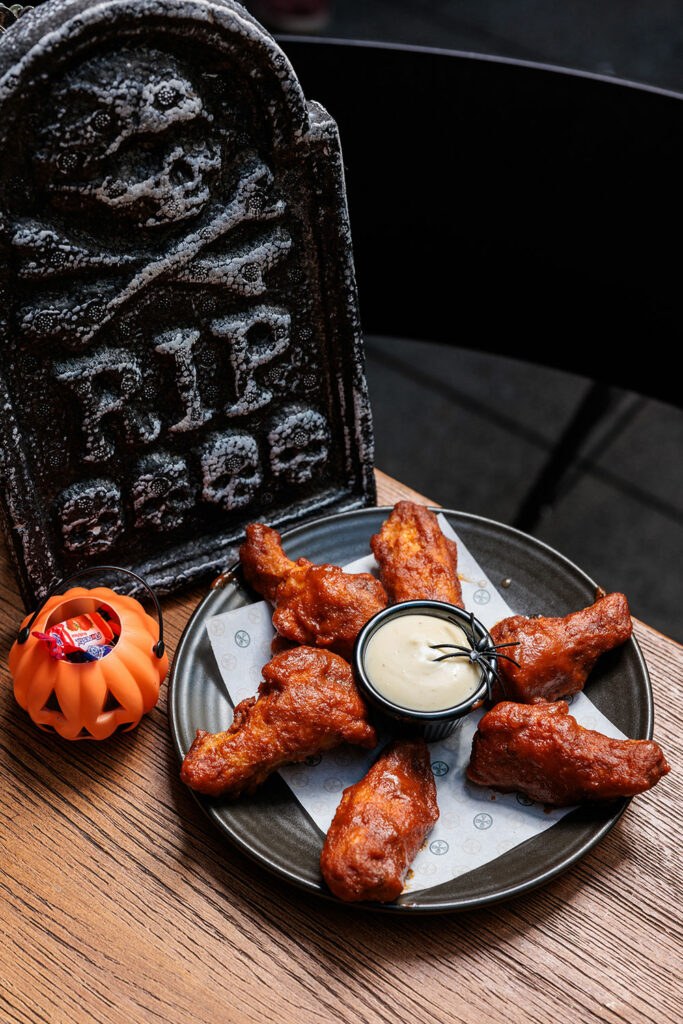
x: 166, y: 315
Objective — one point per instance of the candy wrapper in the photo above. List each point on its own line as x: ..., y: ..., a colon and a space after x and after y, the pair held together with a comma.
x: 475, y: 825
x: 84, y: 638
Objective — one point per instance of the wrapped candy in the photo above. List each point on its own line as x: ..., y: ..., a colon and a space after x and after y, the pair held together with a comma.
x: 84, y: 638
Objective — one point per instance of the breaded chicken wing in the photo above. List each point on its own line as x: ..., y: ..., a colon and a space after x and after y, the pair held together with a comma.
x: 380, y: 825
x: 314, y: 604
x: 321, y: 605
x: 264, y: 562
x: 541, y: 751
x: 415, y: 560
x: 307, y: 702
x: 555, y: 656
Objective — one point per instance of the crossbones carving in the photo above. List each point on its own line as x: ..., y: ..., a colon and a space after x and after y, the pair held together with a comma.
x: 114, y: 146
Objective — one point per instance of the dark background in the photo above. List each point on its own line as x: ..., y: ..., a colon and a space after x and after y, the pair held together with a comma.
x: 640, y: 40
x: 473, y: 430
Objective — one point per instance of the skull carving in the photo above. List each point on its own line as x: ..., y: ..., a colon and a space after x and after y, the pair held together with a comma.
x: 90, y: 516
x: 162, y: 491
x: 132, y: 135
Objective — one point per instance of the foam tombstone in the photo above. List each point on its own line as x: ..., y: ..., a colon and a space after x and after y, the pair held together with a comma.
x: 181, y: 346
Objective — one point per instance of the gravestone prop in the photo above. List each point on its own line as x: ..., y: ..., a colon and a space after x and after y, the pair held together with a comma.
x: 181, y: 349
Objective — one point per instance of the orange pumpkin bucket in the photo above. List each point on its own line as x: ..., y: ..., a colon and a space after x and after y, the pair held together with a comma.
x: 94, y: 699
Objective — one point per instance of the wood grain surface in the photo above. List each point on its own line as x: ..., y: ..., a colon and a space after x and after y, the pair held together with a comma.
x: 120, y: 903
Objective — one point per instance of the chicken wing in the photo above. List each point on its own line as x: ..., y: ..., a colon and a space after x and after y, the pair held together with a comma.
x: 264, y: 562
x: 555, y: 656
x: 415, y: 560
x: 541, y: 751
x: 380, y: 825
x: 314, y: 604
x: 307, y: 702
x: 322, y: 605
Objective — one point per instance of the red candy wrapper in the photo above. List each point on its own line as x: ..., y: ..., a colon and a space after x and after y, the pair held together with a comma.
x: 85, y: 638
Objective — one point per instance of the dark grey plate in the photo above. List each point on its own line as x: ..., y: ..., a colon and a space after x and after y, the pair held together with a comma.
x: 272, y: 827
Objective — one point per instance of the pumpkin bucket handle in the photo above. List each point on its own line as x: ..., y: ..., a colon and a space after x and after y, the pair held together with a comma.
x: 159, y: 646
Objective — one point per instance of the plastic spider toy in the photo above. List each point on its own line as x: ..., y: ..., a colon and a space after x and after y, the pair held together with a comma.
x: 482, y: 652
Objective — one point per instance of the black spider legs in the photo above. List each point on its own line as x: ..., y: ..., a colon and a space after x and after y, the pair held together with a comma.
x: 480, y: 652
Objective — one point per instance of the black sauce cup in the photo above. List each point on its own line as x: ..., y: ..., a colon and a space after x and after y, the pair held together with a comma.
x: 432, y: 725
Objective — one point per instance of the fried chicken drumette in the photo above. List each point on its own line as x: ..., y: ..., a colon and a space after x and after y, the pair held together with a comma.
x: 264, y: 562
x: 380, y: 825
x: 415, y: 560
x: 314, y: 604
x: 555, y: 656
x: 307, y: 702
x: 541, y: 751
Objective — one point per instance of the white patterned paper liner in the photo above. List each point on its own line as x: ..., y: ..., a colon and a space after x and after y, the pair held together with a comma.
x: 475, y: 825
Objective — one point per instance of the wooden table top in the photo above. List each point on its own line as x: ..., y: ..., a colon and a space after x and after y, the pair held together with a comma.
x: 121, y: 903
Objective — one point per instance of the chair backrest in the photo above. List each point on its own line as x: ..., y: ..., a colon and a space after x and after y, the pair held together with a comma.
x: 510, y: 207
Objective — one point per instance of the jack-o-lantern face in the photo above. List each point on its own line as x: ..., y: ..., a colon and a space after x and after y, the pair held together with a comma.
x: 95, y: 699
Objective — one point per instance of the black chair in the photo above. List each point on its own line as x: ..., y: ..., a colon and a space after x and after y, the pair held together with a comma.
x: 514, y: 208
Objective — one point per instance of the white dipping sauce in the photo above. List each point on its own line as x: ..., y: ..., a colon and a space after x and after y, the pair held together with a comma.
x: 402, y: 666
